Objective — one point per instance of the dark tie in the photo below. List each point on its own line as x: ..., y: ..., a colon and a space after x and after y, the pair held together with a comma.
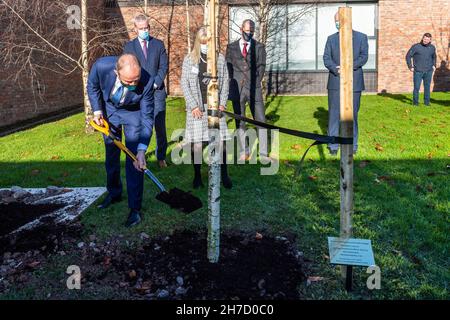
x: 244, y: 52
x: 144, y: 48
x: 117, y: 96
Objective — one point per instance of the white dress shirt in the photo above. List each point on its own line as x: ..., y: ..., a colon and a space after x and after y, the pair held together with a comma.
x: 241, y: 45
x: 117, y: 84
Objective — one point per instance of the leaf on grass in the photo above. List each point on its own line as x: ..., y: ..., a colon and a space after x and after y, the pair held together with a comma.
x: 387, y: 179
x: 296, y: 147
x: 379, y: 147
x: 430, y: 155
x: 55, y: 158
x: 364, y: 163
x: 288, y: 164
x: 312, y: 178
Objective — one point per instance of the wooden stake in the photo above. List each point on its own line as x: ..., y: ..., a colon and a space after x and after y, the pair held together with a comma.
x: 346, y: 125
x: 214, y: 154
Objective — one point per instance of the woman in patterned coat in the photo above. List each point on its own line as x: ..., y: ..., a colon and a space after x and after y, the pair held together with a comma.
x: 194, y: 86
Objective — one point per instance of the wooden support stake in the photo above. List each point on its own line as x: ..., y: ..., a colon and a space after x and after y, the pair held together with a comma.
x: 346, y: 125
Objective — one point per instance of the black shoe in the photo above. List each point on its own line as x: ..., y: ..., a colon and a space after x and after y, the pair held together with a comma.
x: 108, y: 201
x: 134, y: 218
x: 197, y: 183
x: 226, y: 181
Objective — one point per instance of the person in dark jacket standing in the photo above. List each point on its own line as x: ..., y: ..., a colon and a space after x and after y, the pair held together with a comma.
x: 331, y: 59
x: 152, y: 56
x: 246, y: 62
x: 423, y: 56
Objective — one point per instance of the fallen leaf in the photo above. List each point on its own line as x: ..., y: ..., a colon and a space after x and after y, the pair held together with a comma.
x: 312, y: 178
x: 258, y: 236
x: 430, y: 155
x: 288, y: 164
x: 315, y: 279
x: 379, y: 147
x: 55, y: 157
x: 364, y: 163
x: 145, y: 286
x: 296, y: 147
x: 107, y: 261
x: 33, y: 264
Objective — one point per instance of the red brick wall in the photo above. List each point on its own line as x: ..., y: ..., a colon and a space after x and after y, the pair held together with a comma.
x: 401, y: 24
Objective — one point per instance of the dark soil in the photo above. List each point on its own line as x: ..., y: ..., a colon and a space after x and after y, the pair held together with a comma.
x: 170, y: 267
x: 46, y: 237
x: 16, y: 214
x: 248, y: 268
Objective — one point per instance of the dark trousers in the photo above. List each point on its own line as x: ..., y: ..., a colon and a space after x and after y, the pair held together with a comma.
x: 160, y: 129
x: 334, y: 116
x: 418, y: 77
x: 129, y: 122
x: 258, y: 111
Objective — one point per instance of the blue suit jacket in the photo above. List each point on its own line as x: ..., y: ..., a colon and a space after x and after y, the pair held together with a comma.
x: 331, y: 59
x: 156, y: 64
x: 100, y: 84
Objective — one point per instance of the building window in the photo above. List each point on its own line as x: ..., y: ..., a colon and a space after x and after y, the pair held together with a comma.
x: 297, y: 33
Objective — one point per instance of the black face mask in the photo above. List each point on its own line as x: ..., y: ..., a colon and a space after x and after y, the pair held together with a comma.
x: 247, y: 36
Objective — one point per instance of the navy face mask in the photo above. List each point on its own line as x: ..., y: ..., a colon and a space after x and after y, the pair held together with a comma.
x: 247, y: 36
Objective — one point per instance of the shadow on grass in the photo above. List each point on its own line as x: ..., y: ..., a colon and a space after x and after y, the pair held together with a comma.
x: 398, y: 205
x: 399, y: 97
x: 408, y: 100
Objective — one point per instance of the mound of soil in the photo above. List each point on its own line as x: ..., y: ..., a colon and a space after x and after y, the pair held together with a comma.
x: 16, y: 214
x: 249, y: 268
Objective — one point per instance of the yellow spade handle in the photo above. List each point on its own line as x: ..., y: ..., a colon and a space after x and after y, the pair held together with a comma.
x: 120, y: 145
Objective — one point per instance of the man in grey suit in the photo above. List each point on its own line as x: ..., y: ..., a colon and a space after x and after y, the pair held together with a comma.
x: 331, y: 59
x: 246, y: 61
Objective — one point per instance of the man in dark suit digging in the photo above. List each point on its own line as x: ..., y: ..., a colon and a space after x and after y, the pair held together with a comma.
x: 122, y: 93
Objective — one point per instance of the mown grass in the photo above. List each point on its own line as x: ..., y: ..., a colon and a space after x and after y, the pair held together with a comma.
x: 401, y: 190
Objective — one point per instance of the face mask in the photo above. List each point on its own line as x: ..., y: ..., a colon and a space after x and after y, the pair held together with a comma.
x: 204, y: 48
x: 143, y: 35
x: 247, y: 36
x: 337, y: 25
x: 131, y: 88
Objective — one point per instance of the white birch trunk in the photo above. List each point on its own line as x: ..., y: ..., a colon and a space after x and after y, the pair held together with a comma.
x: 214, y: 154
x: 85, y: 65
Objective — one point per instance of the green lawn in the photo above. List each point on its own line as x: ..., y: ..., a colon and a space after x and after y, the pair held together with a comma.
x: 401, y: 190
